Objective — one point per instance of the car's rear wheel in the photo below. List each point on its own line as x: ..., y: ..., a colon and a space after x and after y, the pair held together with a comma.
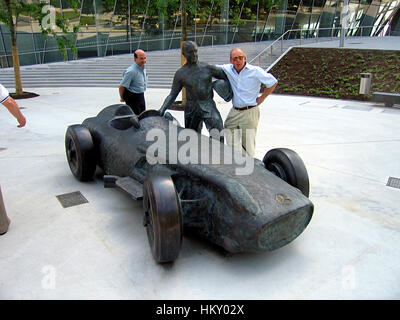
x: 80, y: 152
x: 162, y: 217
x: 287, y: 165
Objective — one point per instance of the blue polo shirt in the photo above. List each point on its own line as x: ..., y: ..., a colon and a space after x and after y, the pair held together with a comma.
x: 246, y: 84
x: 135, y: 79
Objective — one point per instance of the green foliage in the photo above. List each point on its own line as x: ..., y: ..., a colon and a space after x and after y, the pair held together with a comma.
x: 333, y: 72
x: 10, y: 10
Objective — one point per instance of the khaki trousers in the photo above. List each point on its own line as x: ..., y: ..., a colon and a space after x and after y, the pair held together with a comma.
x: 4, y: 221
x: 242, y: 129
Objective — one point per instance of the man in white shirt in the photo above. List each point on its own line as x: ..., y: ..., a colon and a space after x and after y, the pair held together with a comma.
x: 245, y: 80
x: 12, y: 106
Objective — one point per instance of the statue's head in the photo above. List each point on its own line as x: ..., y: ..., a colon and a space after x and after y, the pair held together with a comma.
x: 189, y: 50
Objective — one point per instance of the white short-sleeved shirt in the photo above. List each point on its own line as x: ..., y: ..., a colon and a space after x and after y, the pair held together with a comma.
x: 4, y: 94
x: 246, y: 84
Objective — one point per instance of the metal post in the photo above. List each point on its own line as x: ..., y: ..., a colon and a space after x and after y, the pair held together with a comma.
x: 255, y: 29
x: 343, y: 23
x: 97, y: 27
x: 109, y: 32
x: 129, y: 26
x: 301, y: 35
x: 270, y: 58
x: 224, y: 20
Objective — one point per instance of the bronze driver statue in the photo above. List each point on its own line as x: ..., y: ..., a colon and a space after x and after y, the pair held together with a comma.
x: 197, y: 78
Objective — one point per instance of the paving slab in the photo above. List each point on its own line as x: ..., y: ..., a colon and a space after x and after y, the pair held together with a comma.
x: 99, y: 249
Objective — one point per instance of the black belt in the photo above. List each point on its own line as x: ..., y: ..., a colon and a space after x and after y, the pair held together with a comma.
x: 244, y: 108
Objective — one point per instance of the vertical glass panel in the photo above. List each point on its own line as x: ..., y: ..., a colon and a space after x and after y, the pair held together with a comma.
x: 327, y: 19
x: 262, y: 22
x: 368, y: 17
x: 86, y: 39
x: 302, y: 18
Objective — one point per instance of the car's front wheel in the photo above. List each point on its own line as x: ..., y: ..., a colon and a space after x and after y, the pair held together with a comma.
x: 162, y: 217
x: 287, y: 165
x: 79, y: 148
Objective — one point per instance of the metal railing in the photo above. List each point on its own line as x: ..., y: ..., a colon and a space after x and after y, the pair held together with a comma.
x: 41, y: 53
x: 314, y: 35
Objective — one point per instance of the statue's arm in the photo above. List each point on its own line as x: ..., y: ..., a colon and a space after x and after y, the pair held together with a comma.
x: 217, y: 72
x: 169, y: 100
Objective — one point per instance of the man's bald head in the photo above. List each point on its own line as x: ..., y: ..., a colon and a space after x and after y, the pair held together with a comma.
x: 237, y: 51
x: 238, y: 59
x: 140, y: 57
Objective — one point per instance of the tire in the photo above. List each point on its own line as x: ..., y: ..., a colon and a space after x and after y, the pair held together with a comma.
x: 162, y: 217
x: 79, y: 148
x: 287, y: 165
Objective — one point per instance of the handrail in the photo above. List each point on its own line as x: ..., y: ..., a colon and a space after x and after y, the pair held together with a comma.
x: 281, y: 38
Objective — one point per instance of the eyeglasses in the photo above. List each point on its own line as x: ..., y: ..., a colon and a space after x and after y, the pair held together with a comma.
x: 238, y: 58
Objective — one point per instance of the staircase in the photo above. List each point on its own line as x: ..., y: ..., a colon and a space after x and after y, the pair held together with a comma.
x: 107, y: 71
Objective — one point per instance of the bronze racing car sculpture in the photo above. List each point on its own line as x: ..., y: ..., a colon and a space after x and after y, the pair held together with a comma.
x: 260, y: 211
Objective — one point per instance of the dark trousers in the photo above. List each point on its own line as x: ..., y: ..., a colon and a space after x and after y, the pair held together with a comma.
x: 135, y: 101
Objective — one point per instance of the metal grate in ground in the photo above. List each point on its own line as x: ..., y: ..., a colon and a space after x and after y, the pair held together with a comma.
x: 71, y: 199
x: 359, y: 108
x: 393, y: 182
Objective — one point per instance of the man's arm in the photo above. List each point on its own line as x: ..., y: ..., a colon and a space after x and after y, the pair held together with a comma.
x: 176, y: 88
x: 266, y: 93
x: 121, y: 90
x: 12, y: 106
x: 125, y: 83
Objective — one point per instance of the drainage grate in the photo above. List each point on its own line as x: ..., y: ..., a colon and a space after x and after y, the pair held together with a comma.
x: 393, y: 182
x: 359, y: 108
x: 71, y: 199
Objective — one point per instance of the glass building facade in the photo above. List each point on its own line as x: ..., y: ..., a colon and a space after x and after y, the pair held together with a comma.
x: 109, y: 27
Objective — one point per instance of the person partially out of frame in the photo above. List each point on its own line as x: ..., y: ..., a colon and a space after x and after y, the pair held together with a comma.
x: 12, y: 106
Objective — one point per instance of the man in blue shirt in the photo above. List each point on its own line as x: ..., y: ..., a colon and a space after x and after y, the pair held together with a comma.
x: 134, y: 83
x: 245, y: 80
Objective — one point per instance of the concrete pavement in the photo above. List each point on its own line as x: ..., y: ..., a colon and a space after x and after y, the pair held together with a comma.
x: 99, y: 249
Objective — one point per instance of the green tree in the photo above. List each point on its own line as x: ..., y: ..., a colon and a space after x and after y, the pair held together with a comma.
x: 10, y: 10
